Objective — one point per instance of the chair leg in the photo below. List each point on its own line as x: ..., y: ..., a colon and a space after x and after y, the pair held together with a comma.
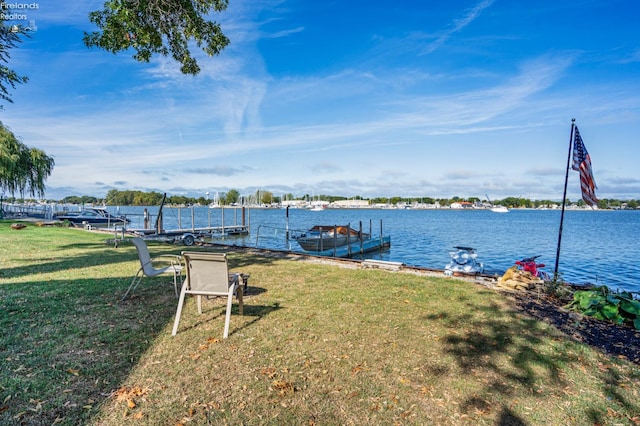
x: 183, y: 293
x: 227, y: 318
x: 239, y: 298
x: 240, y: 288
x: 134, y: 284
x: 175, y: 281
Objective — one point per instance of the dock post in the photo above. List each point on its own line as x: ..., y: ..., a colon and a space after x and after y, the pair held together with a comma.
x: 222, y: 221
x: 335, y: 239
x: 287, y: 224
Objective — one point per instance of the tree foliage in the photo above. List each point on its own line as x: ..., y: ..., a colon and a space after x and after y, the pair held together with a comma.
x: 163, y: 27
x: 132, y: 198
x: 9, y: 38
x: 232, y: 197
x: 22, y: 168
x: 84, y: 199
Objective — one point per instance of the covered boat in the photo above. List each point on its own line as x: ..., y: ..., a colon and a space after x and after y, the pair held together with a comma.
x: 92, y: 216
x: 323, y: 237
x: 463, y: 261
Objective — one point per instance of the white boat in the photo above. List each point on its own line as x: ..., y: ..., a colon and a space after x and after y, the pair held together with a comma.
x: 499, y: 209
x: 215, y: 204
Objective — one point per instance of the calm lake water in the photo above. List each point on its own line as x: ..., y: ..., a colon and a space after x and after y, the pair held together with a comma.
x: 599, y: 247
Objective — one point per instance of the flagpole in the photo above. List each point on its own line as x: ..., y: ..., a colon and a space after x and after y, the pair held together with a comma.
x: 564, y: 200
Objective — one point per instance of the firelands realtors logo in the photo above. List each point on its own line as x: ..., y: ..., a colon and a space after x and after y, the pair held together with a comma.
x: 19, y: 15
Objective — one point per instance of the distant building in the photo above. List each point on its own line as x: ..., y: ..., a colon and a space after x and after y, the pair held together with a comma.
x: 293, y: 203
x: 461, y: 205
x: 350, y: 204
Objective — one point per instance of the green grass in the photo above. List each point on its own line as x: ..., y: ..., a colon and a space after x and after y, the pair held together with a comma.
x: 318, y: 344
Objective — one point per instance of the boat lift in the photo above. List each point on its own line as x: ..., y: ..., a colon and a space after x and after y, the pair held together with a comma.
x: 187, y: 236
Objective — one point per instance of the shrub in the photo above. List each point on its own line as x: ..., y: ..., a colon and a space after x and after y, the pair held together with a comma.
x: 603, y: 304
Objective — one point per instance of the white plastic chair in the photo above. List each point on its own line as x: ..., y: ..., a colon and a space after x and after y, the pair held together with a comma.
x: 170, y: 265
x: 208, y: 275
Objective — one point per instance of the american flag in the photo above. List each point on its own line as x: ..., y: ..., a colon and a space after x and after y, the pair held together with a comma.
x: 582, y: 163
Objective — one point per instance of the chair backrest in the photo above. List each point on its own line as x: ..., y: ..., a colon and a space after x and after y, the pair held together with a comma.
x: 207, y: 273
x: 143, y: 254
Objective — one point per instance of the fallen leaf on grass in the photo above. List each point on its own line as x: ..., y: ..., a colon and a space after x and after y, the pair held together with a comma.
x: 72, y: 371
x: 20, y: 414
x: 269, y: 372
x: 129, y: 395
x: 282, y: 386
x: 358, y: 368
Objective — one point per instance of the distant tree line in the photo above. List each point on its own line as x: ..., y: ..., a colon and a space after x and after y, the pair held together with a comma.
x: 232, y: 197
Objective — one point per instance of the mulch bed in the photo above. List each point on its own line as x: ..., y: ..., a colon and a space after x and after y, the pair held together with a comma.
x: 611, y: 339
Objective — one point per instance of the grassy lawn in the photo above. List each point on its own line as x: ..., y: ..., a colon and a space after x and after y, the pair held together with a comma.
x: 318, y: 345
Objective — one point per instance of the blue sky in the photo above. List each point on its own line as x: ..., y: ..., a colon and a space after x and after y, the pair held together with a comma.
x: 441, y: 99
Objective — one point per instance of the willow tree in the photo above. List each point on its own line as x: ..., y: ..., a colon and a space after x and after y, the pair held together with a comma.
x: 148, y: 27
x: 9, y: 38
x: 22, y: 169
x: 164, y: 27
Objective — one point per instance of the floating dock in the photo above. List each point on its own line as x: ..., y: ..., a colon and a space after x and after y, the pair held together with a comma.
x: 356, y: 248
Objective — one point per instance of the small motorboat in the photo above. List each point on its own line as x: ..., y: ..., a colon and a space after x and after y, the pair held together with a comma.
x: 463, y: 261
x: 92, y: 216
x: 499, y: 209
x: 320, y: 238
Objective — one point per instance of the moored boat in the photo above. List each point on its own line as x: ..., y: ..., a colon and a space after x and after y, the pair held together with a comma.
x: 92, y: 216
x: 320, y: 238
x: 499, y: 209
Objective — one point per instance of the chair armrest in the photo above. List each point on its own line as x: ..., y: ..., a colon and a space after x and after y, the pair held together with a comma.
x: 174, y: 259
